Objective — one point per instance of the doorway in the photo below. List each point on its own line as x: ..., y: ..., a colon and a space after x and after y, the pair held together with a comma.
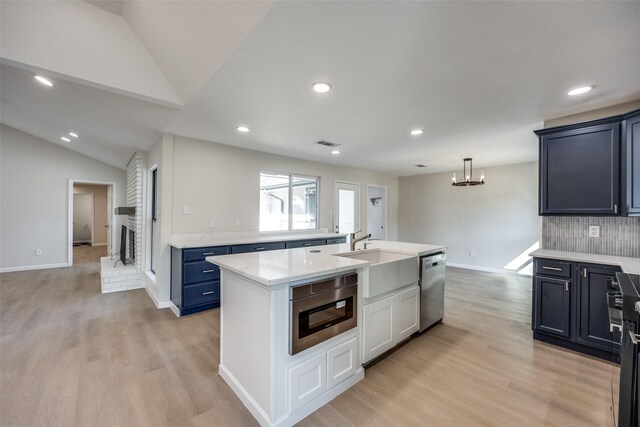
x: 90, y: 216
x: 346, y: 207
x: 377, y: 211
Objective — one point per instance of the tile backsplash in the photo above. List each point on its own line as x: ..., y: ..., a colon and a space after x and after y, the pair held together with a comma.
x: 618, y: 236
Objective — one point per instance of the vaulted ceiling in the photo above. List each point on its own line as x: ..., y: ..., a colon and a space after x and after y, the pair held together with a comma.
x: 478, y: 77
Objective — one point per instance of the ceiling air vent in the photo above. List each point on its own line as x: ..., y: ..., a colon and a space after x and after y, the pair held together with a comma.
x: 420, y: 166
x: 327, y: 143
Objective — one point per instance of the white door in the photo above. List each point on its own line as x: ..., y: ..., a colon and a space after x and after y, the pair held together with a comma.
x: 82, y: 218
x: 378, y: 328
x: 345, y: 212
x: 406, y: 314
x: 109, y: 217
x: 376, y: 211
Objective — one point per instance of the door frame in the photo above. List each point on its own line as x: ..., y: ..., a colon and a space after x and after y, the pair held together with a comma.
x: 92, y: 214
x: 384, y: 187
x: 356, y: 226
x: 110, y: 215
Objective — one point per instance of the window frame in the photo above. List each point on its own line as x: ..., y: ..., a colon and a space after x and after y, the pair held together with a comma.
x: 291, y: 175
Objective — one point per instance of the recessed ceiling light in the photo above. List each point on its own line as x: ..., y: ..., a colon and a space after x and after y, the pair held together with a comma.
x: 321, y: 87
x: 335, y: 151
x: 44, y: 81
x: 579, y: 90
x: 417, y: 132
x: 65, y: 139
x: 242, y: 129
x: 73, y: 134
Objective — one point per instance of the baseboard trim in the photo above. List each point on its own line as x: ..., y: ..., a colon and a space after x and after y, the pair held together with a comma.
x: 99, y: 244
x: 33, y: 267
x: 486, y: 269
x: 158, y: 304
x: 174, y: 308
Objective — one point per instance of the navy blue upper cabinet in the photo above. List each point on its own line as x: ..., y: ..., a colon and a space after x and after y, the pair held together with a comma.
x: 580, y: 169
x: 631, y: 153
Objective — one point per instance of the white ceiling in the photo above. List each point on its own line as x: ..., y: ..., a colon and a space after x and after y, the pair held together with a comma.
x: 477, y: 76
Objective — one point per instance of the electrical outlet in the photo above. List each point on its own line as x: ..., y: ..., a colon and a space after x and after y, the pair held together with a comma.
x: 236, y: 223
x: 38, y: 252
x: 212, y: 223
x: 186, y: 209
x: 472, y: 252
x: 594, y: 231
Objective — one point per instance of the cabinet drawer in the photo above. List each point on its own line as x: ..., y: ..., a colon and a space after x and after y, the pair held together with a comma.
x: 199, y: 254
x: 554, y: 268
x: 256, y: 247
x: 336, y: 240
x: 202, y: 293
x: 200, y: 271
x: 304, y: 243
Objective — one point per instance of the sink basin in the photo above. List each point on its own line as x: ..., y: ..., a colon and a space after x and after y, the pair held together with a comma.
x: 387, y: 270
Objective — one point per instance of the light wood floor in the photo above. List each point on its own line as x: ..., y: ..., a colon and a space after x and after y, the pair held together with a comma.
x: 70, y: 356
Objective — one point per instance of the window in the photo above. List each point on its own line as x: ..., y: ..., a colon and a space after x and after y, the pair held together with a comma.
x: 288, y: 202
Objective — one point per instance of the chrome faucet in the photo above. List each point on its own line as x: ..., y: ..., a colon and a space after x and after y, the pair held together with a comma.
x: 354, y: 240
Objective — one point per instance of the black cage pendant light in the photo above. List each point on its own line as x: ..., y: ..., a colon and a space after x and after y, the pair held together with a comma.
x: 468, y: 175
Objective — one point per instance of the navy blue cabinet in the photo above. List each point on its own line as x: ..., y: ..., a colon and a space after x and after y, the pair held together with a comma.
x: 195, y: 283
x: 305, y: 243
x: 593, y: 328
x: 570, y: 307
x: 256, y: 247
x: 336, y: 240
x: 580, y: 169
x: 631, y: 154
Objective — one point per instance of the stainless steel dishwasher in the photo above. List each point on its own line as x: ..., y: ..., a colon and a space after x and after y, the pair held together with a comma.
x: 431, y: 289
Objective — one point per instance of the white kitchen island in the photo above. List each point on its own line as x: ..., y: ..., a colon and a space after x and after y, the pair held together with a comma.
x: 277, y: 387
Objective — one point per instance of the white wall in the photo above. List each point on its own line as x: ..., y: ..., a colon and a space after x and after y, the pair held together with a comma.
x: 498, y: 220
x: 34, y: 197
x: 221, y: 182
x: 100, y: 214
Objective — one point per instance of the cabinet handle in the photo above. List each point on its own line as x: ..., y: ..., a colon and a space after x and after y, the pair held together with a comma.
x: 584, y: 272
x: 566, y: 286
x: 208, y: 271
x: 306, y: 244
x: 208, y: 293
x: 634, y: 337
x: 260, y: 249
x: 615, y: 208
x: 544, y: 267
x: 207, y: 253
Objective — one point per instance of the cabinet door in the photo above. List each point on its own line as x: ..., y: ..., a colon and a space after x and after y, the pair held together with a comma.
x: 552, y: 306
x: 406, y: 314
x: 593, y: 328
x: 378, y: 328
x: 342, y: 362
x: 632, y: 182
x: 579, y: 171
x: 307, y: 380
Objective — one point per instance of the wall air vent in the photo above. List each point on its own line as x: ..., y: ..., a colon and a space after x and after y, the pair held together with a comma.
x: 420, y: 166
x: 327, y: 143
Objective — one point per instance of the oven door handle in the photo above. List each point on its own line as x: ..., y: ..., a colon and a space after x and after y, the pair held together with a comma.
x: 634, y: 337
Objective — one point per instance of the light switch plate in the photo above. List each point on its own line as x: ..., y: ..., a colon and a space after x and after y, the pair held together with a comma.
x: 236, y: 223
x: 186, y: 209
x: 38, y: 252
x: 594, y: 231
x: 212, y: 223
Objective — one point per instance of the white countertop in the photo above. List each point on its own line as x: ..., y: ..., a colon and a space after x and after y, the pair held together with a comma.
x: 628, y: 265
x: 223, y: 239
x: 277, y: 267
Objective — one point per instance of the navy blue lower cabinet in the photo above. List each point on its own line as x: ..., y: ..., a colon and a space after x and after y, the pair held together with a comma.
x: 336, y: 240
x: 553, y: 306
x: 256, y: 247
x: 593, y: 328
x: 305, y: 243
x: 195, y: 283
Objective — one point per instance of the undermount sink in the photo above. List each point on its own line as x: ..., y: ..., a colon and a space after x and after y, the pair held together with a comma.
x: 387, y: 270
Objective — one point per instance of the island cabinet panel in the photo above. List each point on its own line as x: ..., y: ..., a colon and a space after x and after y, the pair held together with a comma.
x: 553, y: 306
x: 256, y: 247
x: 305, y: 243
x: 593, y: 326
x: 407, y: 313
x: 580, y: 170
x: 378, y: 328
x: 307, y: 381
x: 631, y: 140
x: 342, y: 362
